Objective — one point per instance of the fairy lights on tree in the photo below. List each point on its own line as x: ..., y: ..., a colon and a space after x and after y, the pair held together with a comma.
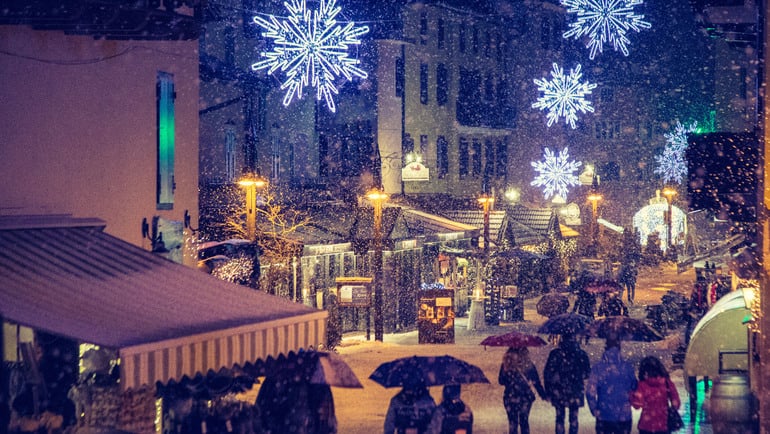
x: 310, y: 48
x: 604, y: 21
x: 556, y: 173
x: 672, y: 164
x: 564, y: 95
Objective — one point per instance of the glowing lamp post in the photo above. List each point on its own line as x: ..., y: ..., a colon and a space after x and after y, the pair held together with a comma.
x: 251, y: 182
x: 377, y: 197
x: 669, y: 193
x: 594, y: 197
x: 486, y: 202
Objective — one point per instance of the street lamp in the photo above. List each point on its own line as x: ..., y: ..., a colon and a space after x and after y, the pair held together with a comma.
x: 377, y: 196
x: 486, y: 201
x: 669, y: 193
x: 594, y: 197
x: 251, y: 182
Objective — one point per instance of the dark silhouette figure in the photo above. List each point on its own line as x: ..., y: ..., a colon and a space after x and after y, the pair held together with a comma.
x: 608, y: 391
x: 612, y: 305
x: 627, y: 278
x: 518, y: 374
x: 452, y: 414
x: 410, y: 411
x: 564, y: 377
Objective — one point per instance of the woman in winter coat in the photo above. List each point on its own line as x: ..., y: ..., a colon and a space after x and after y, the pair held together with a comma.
x: 564, y: 378
x: 518, y: 374
x: 652, y: 395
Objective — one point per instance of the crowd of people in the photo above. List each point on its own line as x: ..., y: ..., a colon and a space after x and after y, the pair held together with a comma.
x: 610, y: 387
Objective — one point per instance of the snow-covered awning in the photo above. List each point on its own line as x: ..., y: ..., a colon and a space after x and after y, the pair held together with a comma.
x: 67, y: 276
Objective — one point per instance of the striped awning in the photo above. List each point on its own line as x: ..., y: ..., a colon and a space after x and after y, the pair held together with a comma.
x: 66, y: 276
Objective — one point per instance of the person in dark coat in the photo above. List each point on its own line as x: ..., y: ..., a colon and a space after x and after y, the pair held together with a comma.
x: 452, y: 415
x: 608, y: 391
x: 612, y: 305
x: 627, y: 278
x: 518, y: 374
x: 564, y: 377
x: 585, y: 304
x: 410, y: 410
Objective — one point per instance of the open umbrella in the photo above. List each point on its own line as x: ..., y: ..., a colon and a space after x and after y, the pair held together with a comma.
x: 623, y: 328
x: 427, y: 371
x: 315, y: 367
x: 604, y: 286
x: 513, y: 339
x: 565, y: 324
x: 552, y: 304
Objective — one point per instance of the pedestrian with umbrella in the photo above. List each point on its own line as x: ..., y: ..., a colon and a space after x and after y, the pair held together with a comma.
x: 518, y: 374
x: 411, y: 409
x: 564, y: 376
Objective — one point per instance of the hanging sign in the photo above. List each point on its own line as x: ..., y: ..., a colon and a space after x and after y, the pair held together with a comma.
x: 415, y: 171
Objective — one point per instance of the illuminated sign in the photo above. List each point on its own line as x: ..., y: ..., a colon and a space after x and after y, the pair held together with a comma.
x: 415, y: 171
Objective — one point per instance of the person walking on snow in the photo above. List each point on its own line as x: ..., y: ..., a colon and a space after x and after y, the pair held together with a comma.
x: 608, y: 391
x: 653, y: 394
x: 518, y: 374
x: 564, y: 378
x: 410, y: 410
x: 452, y: 415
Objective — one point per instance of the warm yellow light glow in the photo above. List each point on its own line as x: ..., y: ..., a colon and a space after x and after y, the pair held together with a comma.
x: 485, y: 199
x: 252, y: 180
x: 513, y: 195
x: 376, y: 194
x: 669, y: 193
x: 594, y: 197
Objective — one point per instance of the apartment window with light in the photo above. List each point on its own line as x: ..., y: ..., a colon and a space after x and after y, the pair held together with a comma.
x: 442, y: 156
x: 165, y: 95
x: 424, y: 83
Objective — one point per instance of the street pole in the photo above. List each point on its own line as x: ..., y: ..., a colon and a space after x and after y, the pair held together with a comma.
x: 377, y: 196
x: 251, y: 182
x: 594, y: 197
x: 669, y: 193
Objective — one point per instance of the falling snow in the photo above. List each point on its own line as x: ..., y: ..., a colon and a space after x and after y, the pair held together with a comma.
x: 604, y: 21
x: 556, y: 173
x: 564, y: 95
x: 311, y: 48
x: 672, y: 164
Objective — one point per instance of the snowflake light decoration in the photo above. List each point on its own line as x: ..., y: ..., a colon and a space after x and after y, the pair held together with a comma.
x: 564, y: 96
x: 604, y: 21
x: 672, y: 164
x: 556, y: 173
x: 310, y: 48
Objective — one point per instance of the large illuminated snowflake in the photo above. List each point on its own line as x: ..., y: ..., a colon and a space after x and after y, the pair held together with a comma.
x: 311, y: 49
x: 604, y: 21
x: 672, y: 163
x: 564, y: 96
x: 556, y: 173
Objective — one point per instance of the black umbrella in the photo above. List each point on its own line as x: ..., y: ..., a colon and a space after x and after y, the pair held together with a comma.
x: 427, y: 371
x: 552, y: 304
x: 565, y: 324
x: 623, y: 328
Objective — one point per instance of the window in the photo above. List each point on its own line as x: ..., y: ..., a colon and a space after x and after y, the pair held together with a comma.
x: 489, y: 87
x: 399, y: 77
x: 424, y: 83
x: 440, y: 33
x: 442, y: 84
x: 501, y: 158
x: 461, y: 39
x: 489, y: 161
x: 230, y: 46
x: 475, y: 40
x: 165, y: 179
x: 423, y: 27
x: 488, y: 44
x: 442, y: 156
x: 423, y: 144
x: 476, y: 157
x: 464, y: 158
x: 230, y: 152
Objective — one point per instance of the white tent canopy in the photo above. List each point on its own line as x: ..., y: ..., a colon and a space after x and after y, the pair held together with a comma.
x: 721, y: 333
